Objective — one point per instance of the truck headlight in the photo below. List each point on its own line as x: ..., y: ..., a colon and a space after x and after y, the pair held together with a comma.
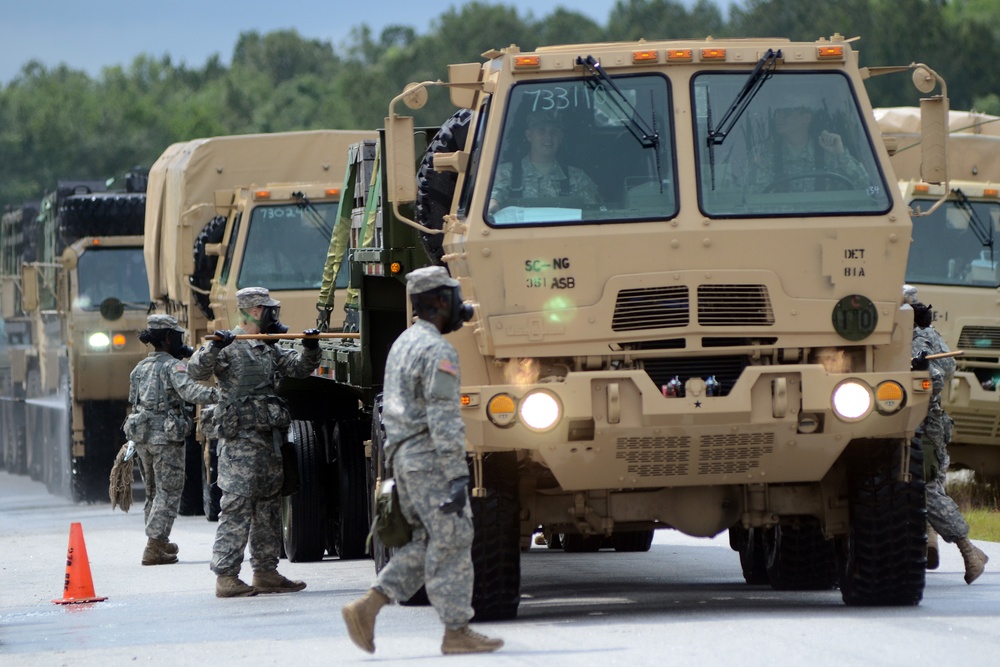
x: 98, y: 341
x: 852, y: 400
x: 540, y: 410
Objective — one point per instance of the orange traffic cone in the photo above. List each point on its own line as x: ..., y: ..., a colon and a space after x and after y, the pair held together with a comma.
x: 79, y: 587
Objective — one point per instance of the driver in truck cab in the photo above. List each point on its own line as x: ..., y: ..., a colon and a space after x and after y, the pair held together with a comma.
x: 539, y: 173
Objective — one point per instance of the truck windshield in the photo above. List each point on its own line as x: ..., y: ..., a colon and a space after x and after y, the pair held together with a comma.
x: 118, y: 273
x: 287, y: 246
x: 799, y: 148
x: 946, y: 248
x: 569, y: 154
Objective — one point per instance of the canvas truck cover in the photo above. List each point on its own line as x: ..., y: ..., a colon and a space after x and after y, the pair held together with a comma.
x: 973, y: 150
x: 184, y: 179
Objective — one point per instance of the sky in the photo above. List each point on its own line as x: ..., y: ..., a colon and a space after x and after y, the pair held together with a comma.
x: 91, y: 34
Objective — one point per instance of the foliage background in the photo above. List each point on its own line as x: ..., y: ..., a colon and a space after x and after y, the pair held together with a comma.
x: 60, y: 123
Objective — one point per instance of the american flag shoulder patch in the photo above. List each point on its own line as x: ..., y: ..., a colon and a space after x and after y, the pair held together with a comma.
x: 448, y: 367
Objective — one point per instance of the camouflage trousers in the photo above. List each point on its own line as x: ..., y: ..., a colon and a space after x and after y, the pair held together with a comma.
x: 162, y: 468
x: 942, y: 512
x: 440, y: 554
x: 250, y: 511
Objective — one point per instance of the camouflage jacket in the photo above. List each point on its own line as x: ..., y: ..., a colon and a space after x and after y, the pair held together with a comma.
x: 248, y: 372
x: 160, y: 387
x: 421, y: 399
x: 927, y: 339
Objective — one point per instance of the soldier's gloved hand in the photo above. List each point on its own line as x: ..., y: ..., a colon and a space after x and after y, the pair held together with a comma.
x: 920, y: 362
x: 310, y: 343
x: 456, y: 496
x: 223, y: 338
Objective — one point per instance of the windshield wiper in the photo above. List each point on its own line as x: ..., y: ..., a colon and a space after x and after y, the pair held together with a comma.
x: 761, y: 73
x: 644, y: 133
x: 982, y: 230
x: 316, y: 218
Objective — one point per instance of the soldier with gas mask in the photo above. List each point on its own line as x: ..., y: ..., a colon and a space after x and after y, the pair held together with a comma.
x: 251, y: 421
x: 426, y: 447
x: 934, y: 434
x: 161, y: 392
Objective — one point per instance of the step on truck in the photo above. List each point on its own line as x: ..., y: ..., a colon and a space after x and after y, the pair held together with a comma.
x: 953, y: 263
x: 685, y: 333
x: 73, y: 296
x: 238, y: 211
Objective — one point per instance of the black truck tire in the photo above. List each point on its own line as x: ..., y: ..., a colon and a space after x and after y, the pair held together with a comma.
x: 303, y: 514
x: 496, y: 547
x: 192, y: 496
x: 102, y: 438
x: 102, y: 214
x: 749, y: 542
x: 882, y: 560
x: 351, y: 501
x: 204, y: 264
x: 799, y: 558
x: 436, y: 189
x: 632, y: 540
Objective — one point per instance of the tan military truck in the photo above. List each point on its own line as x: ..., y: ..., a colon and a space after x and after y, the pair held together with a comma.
x: 73, y: 296
x: 676, y: 329
x: 953, y: 264
x: 264, y: 204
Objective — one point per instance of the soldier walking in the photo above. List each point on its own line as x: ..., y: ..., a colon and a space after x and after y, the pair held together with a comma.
x: 251, y: 420
x: 935, y: 434
x: 426, y: 445
x: 160, y: 391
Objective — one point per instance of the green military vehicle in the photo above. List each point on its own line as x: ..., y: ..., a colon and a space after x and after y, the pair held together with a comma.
x: 73, y: 296
x: 682, y: 334
x: 953, y: 264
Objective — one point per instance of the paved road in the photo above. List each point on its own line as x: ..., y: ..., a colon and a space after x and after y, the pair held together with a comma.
x: 683, y: 603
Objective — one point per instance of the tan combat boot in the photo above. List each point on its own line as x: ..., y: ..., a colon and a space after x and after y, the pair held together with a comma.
x: 975, y: 559
x: 230, y: 586
x: 933, y: 555
x: 156, y: 554
x: 359, y: 616
x: 272, y: 582
x: 466, y: 640
x: 170, y: 547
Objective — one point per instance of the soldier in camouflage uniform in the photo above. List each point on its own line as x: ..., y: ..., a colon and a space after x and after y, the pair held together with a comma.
x: 539, y: 174
x: 252, y: 422
x: 935, y: 434
x: 160, y: 391
x: 426, y: 449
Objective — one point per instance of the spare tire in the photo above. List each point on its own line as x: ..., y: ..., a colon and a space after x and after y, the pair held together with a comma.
x: 436, y: 189
x: 102, y: 214
x: 204, y: 264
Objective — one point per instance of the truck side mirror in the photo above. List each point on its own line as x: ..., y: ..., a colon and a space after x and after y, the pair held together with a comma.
x: 934, y: 139
x: 29, y: 288
x: 402, y: 170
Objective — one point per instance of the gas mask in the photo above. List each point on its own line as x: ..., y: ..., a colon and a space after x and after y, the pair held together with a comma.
x: 269, y: 322
x: 459, y: 312
x: 175, y: 346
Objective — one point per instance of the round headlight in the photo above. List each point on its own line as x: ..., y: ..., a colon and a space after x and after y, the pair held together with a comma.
x: 852, y: 400
x: 99, y: 341
x: 540, y: 410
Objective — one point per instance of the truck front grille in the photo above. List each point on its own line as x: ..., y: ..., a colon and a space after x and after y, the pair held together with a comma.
x: 975, y: 338
x: 726, y: 370
x: 657, y: 456
x: 651, y: 308
x: 734, y: 306
x: 733, y: 453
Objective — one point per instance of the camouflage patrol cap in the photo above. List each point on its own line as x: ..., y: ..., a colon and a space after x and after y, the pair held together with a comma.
x: 910, y: 294
x: 250, y: 297
x: 154, y: 322
x: 427, y: 279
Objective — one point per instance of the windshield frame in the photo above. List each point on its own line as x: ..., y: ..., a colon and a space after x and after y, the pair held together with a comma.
x: 131, y: 288
x: 601, y: 152
x: 931, y: 241
x: 736, y: 179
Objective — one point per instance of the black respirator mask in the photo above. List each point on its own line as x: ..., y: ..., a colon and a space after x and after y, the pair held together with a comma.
x: 175, y: 345
x: 269, y: 322
x: 459, y: 312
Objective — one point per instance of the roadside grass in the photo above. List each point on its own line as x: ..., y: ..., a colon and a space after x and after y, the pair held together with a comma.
x: 979, y: 502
